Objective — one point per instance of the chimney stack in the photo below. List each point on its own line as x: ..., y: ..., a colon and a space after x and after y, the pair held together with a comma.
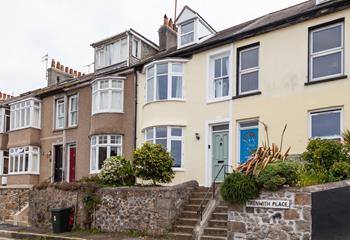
x: 167, y: 34
x: 58, y: 73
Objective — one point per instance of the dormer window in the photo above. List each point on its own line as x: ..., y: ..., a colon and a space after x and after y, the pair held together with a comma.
x: 4, y: 120
x: 136, y: 48
x: 187, y: 33
x: 112, y: 53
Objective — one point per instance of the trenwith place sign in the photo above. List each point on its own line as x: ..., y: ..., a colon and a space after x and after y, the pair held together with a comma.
x: 268, y: 203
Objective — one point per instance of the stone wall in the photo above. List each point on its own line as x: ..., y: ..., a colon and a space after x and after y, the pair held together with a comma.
x: 146, y: 209
x: 11, y: 200
x: 294, y: 223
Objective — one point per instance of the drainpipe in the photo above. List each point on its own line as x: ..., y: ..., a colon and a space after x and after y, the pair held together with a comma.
x: 135, y: 119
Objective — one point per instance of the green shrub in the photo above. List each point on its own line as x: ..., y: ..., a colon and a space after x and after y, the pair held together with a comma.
x: 117, y: 171
x: 280, y: 173
x: 339, y: 171
x: 323, y: 153
x: 309, y: 176
x: 153, y: 162
x: 238, y: 188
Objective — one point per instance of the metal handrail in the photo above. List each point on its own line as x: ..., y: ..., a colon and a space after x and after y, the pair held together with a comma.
x: 212, y: 188
x: 19, y: 196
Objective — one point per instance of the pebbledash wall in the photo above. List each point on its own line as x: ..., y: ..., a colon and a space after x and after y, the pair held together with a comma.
x: 298, y: 222
x: 120, y: 209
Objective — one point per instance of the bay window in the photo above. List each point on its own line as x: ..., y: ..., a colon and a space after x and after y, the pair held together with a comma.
x: 248, y: 70
x: 4, y: 120
x: 25, y: 114
x: 24, y: 160
x: 112, y: 53
x: 73, y: 111
x: 107, y: 95
x: 171, y: 138
x: 4, y: 162
x: 326, y: 124
x: 326, y: 52
x: 164, y: 81
x: 103, y: 147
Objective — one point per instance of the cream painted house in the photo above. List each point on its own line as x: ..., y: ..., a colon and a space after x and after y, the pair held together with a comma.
x: 204, y: 97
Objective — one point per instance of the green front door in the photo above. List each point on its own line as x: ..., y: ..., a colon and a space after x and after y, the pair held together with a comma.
x: 219, y: 154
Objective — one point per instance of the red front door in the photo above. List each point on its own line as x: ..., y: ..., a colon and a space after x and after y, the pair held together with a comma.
x: 72, y: 158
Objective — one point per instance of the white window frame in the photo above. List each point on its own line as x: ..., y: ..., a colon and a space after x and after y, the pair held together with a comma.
x: 21, y: 152
x: 103, y: 54
x: 71, y: 111
x: 60, y: 116
x: 194, y: 33
x: 170, y: 76
x: 324, y: 111
x: 249, y: 70
x: 3, y: 120
x: 227, y: 52
x: 97, y: 89
x: 16, y: 114
x: 136, y: 46
x: 169, y: 138
x: 2, y: 161
x: 313, y: 55
x: 108, y: 145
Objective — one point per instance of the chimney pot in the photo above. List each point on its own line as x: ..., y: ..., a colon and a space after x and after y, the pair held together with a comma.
x: 79, y: 74
x: 62, y: 68
x: 71, y: 71
x: 66, y: 69
x: 170, y: 24
x: 58, y: 65
x: 165, y: 20
x: 75, y: 72
x: 53, y: 63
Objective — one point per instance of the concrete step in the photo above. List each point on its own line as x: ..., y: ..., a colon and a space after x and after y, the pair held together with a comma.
x: 221, y: 209
x: 201, y: 189
x: 217, y: 223
x: 187, y: 221
x: 219, y: 216
x: 208, y: 237
x: 189, y: 214
x: 180, y: 236
x: 215, y: 231
x: 198, y: 201
x: 184, y: 229
x: 19, y: 223
x: 192, y: 207
x: 202, y: 195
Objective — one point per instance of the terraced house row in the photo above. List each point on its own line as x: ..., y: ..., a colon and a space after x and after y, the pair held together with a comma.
x: 201, y: 93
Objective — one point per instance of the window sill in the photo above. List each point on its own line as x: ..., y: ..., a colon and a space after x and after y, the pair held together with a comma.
x: 164, y: 101
x: 326, y: 80
x: 19, y: 129
x: 247, y: 95
x: 217, y: 100
x: 22, y: 173
x: 178, y: 169
x: 107, y: 112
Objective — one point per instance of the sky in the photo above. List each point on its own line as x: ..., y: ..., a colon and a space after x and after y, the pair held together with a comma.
x: 64, y: 29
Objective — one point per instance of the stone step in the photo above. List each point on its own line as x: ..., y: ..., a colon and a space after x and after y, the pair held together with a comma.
x: 221, y: 209
x: 219, y: 216
x: 208, y: 237
x: 217, y: 223
x: 180, y: 236
x: 215, y: 231
x: 187, y: 221
x: 189, y: 214
x: 202, y: 195
x: 198, y: 201
x: 19, y: 223
x: 192, y: 207
x: 184, y: 229
x: 201, y: 189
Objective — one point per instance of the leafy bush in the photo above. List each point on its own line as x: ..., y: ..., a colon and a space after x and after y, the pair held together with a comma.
x: 339, y: 171
x: 324, y: 153
x: 309, y: 176
x: 238, y: 188
x: 277, y: 174
x: 117, y: 171
x: 153, y: 162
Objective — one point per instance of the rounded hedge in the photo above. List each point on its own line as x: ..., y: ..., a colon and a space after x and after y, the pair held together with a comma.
x: 117, y: 171
x: 238, y: 188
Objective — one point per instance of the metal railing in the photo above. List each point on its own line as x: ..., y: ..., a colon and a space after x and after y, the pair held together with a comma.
x: 18, y: 197
x: 224, y: 168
